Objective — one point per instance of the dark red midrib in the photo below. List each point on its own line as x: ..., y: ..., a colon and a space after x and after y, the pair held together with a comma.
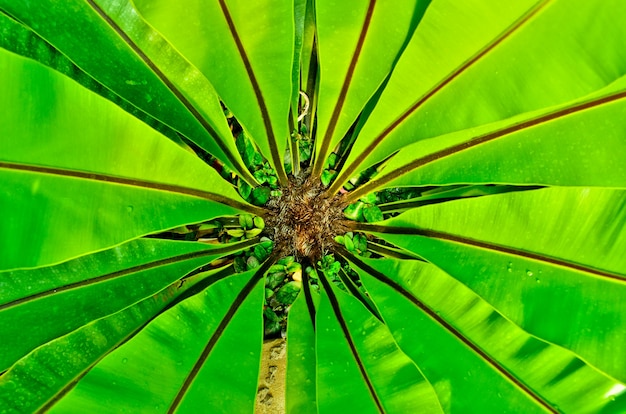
x: 433, y: 315
x: 370, y: 186
x: 170, y: 85
x: 124, y: 272
x: 308, y: 298
x: 267, y: 123
x: 453, y: 75
x: 217, y: 334
x: 344, y: 327
x: 69, y: 386
x: 134, y: 183
x: 344, y: 90
x: 373, y: 228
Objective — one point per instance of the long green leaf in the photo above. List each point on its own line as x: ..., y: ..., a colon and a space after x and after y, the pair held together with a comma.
x: 134, y: 62
x: 169, y: 358
x: 524, y: 149
x: 552, y: 376
x: 20, y: 39
x: 43, y: 377
x: 301, y: 387
x: 355, y: 58
x: 246, y: 52
x: 469, y: 65
x: 55, y: 300
x: 360, y: 367
x: 103, y: 169
x: 563, y: 263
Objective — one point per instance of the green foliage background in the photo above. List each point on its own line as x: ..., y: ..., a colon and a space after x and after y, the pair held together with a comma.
x: 513, y: 301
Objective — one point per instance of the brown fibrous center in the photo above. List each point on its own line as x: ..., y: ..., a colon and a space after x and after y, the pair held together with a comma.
x: 304, y: 222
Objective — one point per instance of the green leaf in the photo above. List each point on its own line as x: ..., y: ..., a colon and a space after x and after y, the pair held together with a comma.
x: 245, y: 221
x: 354, y: 211
x: 274, y: 279
x: 360, y: 367
x: 133, y: 61
x: 71, y: 356
x: 255, y: 54
x: 520, y: 150
x: 271, y: 325
x: 560, y: 262
x: 127, y: 182
x: 172, y: 362
x: 327, y: 177
x: 300, y: 392
x: 260, y: 252
x: 288, y: 292
x: 530, y: 368
x: 484, y: 63
x: 293, y: 267
x: 58, y: 299
x: 347, y: 241
x: 261, y: 195
x: 356, y: 53
x: 369, y: 198
x: 259, y: 223
x: 235, y: 232
x: 372, y: 213
x: 253, y: 233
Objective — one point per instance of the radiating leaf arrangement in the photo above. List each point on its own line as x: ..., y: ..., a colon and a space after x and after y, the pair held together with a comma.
x: 426, y: 198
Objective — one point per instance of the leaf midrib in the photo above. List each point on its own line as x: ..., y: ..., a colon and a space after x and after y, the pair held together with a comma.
x: 133, y: 182
x: 482, y: 139
x: 175, y: 90
x: 125, y: 272
x: 344, y: 175
x: 320, y: 160
x: 456, y: 333
x: 344, y: 327
x: 267, y: 123
x: 374, y: 228
x: 217, y: 334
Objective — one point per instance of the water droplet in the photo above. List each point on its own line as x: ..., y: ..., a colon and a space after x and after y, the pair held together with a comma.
x: 130, y: 209
x: 529, y: 273
x: 538, y: 280
x: 124, y: 360
x: 509, y: 267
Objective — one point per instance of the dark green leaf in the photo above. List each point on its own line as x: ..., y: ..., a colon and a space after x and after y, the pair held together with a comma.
x: 288, y: 293
x: 372, y: 213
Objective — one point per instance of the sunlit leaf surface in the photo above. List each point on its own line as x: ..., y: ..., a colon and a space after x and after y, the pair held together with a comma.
x: 426, y: 199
